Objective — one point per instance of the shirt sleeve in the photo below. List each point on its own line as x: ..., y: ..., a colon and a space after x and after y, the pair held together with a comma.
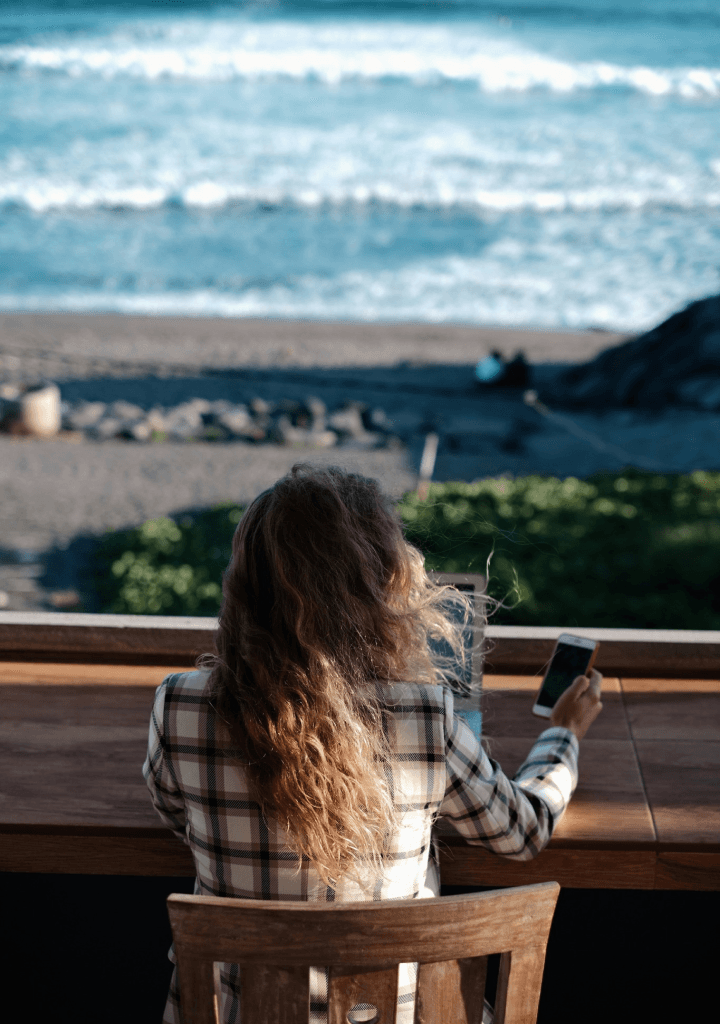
x: 512, y: 818
x: 164, y: 791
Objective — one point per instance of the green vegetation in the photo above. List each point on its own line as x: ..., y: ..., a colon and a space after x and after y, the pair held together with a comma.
x: 166, y: 566
x: 630, y: 549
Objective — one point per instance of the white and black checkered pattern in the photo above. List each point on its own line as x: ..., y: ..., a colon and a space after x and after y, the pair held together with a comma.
x: 439, y: 773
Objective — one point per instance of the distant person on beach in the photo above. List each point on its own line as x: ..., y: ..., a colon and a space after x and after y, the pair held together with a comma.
x: 495, y: 371
x: 311, y: 754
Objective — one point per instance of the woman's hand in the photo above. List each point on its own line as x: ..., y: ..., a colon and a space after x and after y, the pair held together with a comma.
x: 580, y: 705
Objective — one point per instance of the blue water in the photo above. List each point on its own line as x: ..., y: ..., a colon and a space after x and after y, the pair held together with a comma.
x: 530, y: 163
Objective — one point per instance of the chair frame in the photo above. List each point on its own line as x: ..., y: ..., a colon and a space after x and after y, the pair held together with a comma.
x: 450, y: 937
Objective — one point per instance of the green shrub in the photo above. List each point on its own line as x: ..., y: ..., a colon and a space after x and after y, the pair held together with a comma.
x: 166, y: 566
x: 630, y: 549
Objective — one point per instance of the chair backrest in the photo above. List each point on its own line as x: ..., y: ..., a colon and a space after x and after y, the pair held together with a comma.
x: 450, y: 937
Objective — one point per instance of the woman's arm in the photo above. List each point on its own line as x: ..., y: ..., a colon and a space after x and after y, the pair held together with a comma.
x: 164, y: 791
x: 512, y: 818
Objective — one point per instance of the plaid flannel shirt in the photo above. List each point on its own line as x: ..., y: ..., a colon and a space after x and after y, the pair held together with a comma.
x: 439, y: 773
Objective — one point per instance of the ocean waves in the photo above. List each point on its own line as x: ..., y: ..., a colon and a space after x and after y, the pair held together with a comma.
x: 43, y: 197
x: 360, y: 165
x: 334, y: 54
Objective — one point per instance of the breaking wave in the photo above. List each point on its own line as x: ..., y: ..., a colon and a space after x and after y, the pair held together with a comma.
x: 336, y: 53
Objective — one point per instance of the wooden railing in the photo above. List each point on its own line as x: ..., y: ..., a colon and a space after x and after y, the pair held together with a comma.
x: 509, y: 650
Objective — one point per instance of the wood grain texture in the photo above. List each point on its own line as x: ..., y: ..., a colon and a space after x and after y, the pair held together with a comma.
x: 157, y: 853
x: 687, y: 870
x: 51, y: 673
x: 519, y: 984
x: 357, y: 986
x: 672, y: 709
x: 197, y: 990
x: 452, y: 991
x: 74, y: 755
x: 378, y: 935
x: 584, y: 868
x: 682, y: 782
x: 278, y: 995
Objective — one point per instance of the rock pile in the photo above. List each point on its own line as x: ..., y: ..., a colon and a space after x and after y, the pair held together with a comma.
x: 287, y: 422
x: 677, y: 363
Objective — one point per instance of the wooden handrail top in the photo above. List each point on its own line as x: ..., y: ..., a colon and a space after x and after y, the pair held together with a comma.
x: 166, y: 640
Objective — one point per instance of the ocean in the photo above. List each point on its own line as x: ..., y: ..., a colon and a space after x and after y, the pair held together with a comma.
x: 542, y: 164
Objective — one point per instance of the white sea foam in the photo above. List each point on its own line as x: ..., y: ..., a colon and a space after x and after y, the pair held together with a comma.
x: 42, y: 196
x: 332, y: 53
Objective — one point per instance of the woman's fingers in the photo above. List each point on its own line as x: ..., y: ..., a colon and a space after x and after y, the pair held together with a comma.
x: 579, y: 685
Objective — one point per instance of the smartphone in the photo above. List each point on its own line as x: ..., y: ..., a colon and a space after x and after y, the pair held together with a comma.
x: 573, y: 656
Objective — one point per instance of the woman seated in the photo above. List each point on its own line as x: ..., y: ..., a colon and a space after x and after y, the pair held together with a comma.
x: 311, y: 755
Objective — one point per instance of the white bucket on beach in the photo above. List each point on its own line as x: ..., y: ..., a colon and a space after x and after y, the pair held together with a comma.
x: 40, y: 413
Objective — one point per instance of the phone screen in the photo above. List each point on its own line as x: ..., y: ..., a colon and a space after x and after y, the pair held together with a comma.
x: 568, y: 663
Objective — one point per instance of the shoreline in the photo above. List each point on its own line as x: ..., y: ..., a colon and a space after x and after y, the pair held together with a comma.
x: 67, y: 345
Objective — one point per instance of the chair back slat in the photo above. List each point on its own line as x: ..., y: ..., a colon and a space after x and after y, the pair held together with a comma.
x: 277, y: 994
x: 451, y: 992
x: 359, y: 987
x: 519, y: 984
x: 198, y: 990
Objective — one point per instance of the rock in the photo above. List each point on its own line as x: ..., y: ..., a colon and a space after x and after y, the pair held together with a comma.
x: 140, y: 431
x: 260, y: 407
x: 285, y: 432
x: 322, y: 438
x: 348, y: 420
x: 184, y: 422
x: 107, y: 428
x: 318, y: 413
x: 40, y: 413
x: 236, y: 420
x: 678, y: 362
x: 84, y: 415
x: 121, y: 410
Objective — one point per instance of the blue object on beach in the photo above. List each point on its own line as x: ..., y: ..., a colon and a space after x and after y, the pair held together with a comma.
x: 473, y: 719
x: 489, y: 369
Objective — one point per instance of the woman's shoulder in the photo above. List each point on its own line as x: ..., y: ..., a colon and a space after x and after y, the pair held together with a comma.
x: 183, y: 688
x: 407, y: 697
x: 196, y: 679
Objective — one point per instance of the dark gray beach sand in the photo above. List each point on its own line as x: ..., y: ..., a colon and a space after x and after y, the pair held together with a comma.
x: 420, y: 374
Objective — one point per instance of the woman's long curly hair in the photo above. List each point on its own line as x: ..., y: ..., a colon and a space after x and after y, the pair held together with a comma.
x: 324, y: 602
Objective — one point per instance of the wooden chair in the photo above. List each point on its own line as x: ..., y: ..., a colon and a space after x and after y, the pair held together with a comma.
x: 362, y: 943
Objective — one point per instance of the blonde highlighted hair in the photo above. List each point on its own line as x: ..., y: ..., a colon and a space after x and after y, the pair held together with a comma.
x: 324, y: 603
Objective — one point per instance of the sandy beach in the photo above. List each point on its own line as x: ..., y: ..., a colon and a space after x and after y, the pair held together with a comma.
x: 63, y: 344
x: 421, y: 375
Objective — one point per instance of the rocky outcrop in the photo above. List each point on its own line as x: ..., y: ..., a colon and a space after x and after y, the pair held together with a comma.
x: 677, y: 363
